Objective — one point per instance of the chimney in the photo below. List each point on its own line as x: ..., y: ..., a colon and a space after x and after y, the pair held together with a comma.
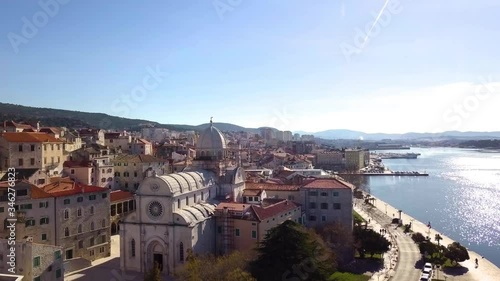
x: 38, y: 126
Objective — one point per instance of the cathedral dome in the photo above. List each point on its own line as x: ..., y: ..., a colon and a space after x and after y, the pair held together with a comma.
x: 211, y: 139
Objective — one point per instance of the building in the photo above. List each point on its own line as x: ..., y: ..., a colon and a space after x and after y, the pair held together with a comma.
x: 98, y: 172
x: 82, y: 219
x: 90, y: 136
x: 141, y: 146
x: 34, y: 261
x: 34, y: 176
x: 355, y: 159
x: 122, y: 204
x: 14, y: 127
x: 330, y: 160
x: 130, y: 170
x: 327, y: 201
x: 31, y: 150
x: 277, y: 191
x: 242, y: 226
x: 287, y: 136
x: 175, y: 212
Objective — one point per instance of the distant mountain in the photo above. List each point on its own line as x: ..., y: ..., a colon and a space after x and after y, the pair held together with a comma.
x: 349, y: 134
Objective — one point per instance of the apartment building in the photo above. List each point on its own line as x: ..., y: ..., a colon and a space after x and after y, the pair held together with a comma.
x: 130, y: 170
x: 31, y: 150
x: 327, y: 201
x: 355, y: 159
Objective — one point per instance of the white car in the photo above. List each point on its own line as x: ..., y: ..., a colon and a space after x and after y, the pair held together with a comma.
x: 425, y: 277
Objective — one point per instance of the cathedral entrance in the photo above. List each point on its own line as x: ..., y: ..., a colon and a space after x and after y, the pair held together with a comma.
x: 158, y: 259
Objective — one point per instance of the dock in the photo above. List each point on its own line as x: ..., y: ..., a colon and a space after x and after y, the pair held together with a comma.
x: 393, y: 174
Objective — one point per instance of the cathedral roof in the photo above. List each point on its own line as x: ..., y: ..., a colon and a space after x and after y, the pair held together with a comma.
x: 176, y: 183
x: 195, y: 214
x: 211, y: 138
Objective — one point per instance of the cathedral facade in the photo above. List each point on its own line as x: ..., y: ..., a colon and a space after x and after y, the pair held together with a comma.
x: 175, y: 212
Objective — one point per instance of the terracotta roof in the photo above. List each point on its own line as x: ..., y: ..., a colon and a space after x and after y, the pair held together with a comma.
x: 67, y: 187
x: 120, y: 195
x: 272, y: 186
x: 50, y: 130
x: 252, y: 192
x: 327, y: 183
x: 36, y: 192
x: 29, y: 137
x: 17, y: 125
x: 20, y: 174
x: 141, y: 158
x: 274, y: 209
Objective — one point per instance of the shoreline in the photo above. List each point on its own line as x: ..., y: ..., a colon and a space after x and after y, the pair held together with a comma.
x: 486, y: 270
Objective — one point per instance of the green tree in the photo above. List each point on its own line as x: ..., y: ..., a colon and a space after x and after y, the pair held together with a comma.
x: 153, y: 274
x: 457, y: 253
x: 418, y: 237
x: 291, y: 251
x: 369, y: 241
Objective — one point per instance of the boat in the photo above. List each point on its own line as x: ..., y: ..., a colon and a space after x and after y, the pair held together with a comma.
x: 399, y: 155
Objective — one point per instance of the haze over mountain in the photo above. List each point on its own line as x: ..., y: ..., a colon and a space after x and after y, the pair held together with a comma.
x: 77, y: 119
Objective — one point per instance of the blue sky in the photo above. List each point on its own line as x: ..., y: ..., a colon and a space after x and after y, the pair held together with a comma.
x: 295, y: 65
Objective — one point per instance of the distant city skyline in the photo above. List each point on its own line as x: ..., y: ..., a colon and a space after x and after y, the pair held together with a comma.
x: 421, y: 66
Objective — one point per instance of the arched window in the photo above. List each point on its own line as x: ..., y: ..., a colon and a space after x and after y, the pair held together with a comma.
x: 66, y: 214
x: 132, y: 248
x: 92, y: 226
x: 103, y: 223
x: 181, y: 252
x: 66, y: 232
x: 80, y: 228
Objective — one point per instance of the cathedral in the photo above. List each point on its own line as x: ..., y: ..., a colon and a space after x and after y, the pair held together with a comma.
x: 175, y: 212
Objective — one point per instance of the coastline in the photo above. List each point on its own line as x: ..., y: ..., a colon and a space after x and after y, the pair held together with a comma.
x: 486, y: 270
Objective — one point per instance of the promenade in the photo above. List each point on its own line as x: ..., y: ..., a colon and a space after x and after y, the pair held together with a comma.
x: 486, y: 271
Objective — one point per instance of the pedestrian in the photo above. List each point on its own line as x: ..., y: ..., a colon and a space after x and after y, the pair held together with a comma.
x: 477, y: 263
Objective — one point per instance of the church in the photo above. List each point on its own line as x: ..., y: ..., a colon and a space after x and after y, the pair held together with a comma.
x: 175, y: 212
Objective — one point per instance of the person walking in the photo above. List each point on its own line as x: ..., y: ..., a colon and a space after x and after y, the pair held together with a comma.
x: 477, y: 263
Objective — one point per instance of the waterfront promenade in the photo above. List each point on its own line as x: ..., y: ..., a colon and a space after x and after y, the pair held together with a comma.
x: 485, y: 272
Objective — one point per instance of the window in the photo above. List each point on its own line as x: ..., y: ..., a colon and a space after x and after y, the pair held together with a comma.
x: 104, y: 195
x: 44, y: 160
x: 323, y: 218
x: 291, y: 197
x: 44, y: 220
x: 125, y: 207
x: 110, y: 170
x: 91, y: 210
x: 181, y: 252
x: 101, y: 250
x: 79, y: 212
x: 336, y: 193
x: 30, y: 222
x: 52, y: 147
x: 66, y: 232
x: 32, y: 161
x: 336, y: 206
x: 117, y: 174
x: 80, y: 244
x: 66, y: 201
x: 91, y: 252
x: 132, y: 248
x: 92, y: 241
x: 194, y: 198
x: 131, y: 205
x: 202, y: 196
x: 32, y: 147
x: 80, y: 228
x: 26, y: 207
x: 43, y: 204
x: 66, y: 214
x: 237, y: 232
x: 254, y: 234
x: 57, y: 254
x: 313, y: 193
x: 44, y: 237
x: 20, y: 148
x: 324, y: 194
x: 324, y: 206
x: 2, y: 209
x: 20, y: 162
x: 58, y: 273
x: 103, y: 239
x: 113, y: 210
x: 119, y: 208
x: 312, y: 205
x: 79, y: 199
x: 45, y: 147
x: 22, y: 192
x: 312, y: 218
x: 126, y: 174
x: 187, y: 200
x: 36, y: 261
x: 92, y: 226
x: 103, y: 180
x: 135, y: 174
x: 92, y: 197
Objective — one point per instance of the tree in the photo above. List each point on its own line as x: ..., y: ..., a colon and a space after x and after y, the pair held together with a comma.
x: 438, y: 238
x: 209, y: 268
x: 340, y: 240
x: 457, y: 253
x: 153, y: 274
x: 418, y: 237
x: 370, y: 241
x: 291, y: 251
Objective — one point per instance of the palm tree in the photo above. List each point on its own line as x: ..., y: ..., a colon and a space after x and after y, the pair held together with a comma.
x: 438, y: 238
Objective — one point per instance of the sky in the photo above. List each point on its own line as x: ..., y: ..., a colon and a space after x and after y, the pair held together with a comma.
x: 370, y: 65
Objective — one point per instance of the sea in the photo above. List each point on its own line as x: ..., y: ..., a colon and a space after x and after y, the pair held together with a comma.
x: 460, y: 197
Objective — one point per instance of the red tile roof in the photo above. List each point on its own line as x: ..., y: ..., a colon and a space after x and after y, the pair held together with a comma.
x: 272, y: 186
x: 120, y: 195
x: 275, y: 209
x: 252, y: 192
x: 239, y: 207
x: 67, y: 187
x: 29, y: 137
x: 36, y: 192
x: 16, y: 125
x: 327, y: 183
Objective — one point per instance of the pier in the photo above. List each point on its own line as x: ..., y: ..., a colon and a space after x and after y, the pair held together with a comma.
x: 392, y: 173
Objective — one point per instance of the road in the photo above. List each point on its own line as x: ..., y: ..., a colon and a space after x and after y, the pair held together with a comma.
x: 408, y: 253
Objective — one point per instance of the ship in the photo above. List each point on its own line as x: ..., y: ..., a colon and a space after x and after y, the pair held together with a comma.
x: 398, y: 155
